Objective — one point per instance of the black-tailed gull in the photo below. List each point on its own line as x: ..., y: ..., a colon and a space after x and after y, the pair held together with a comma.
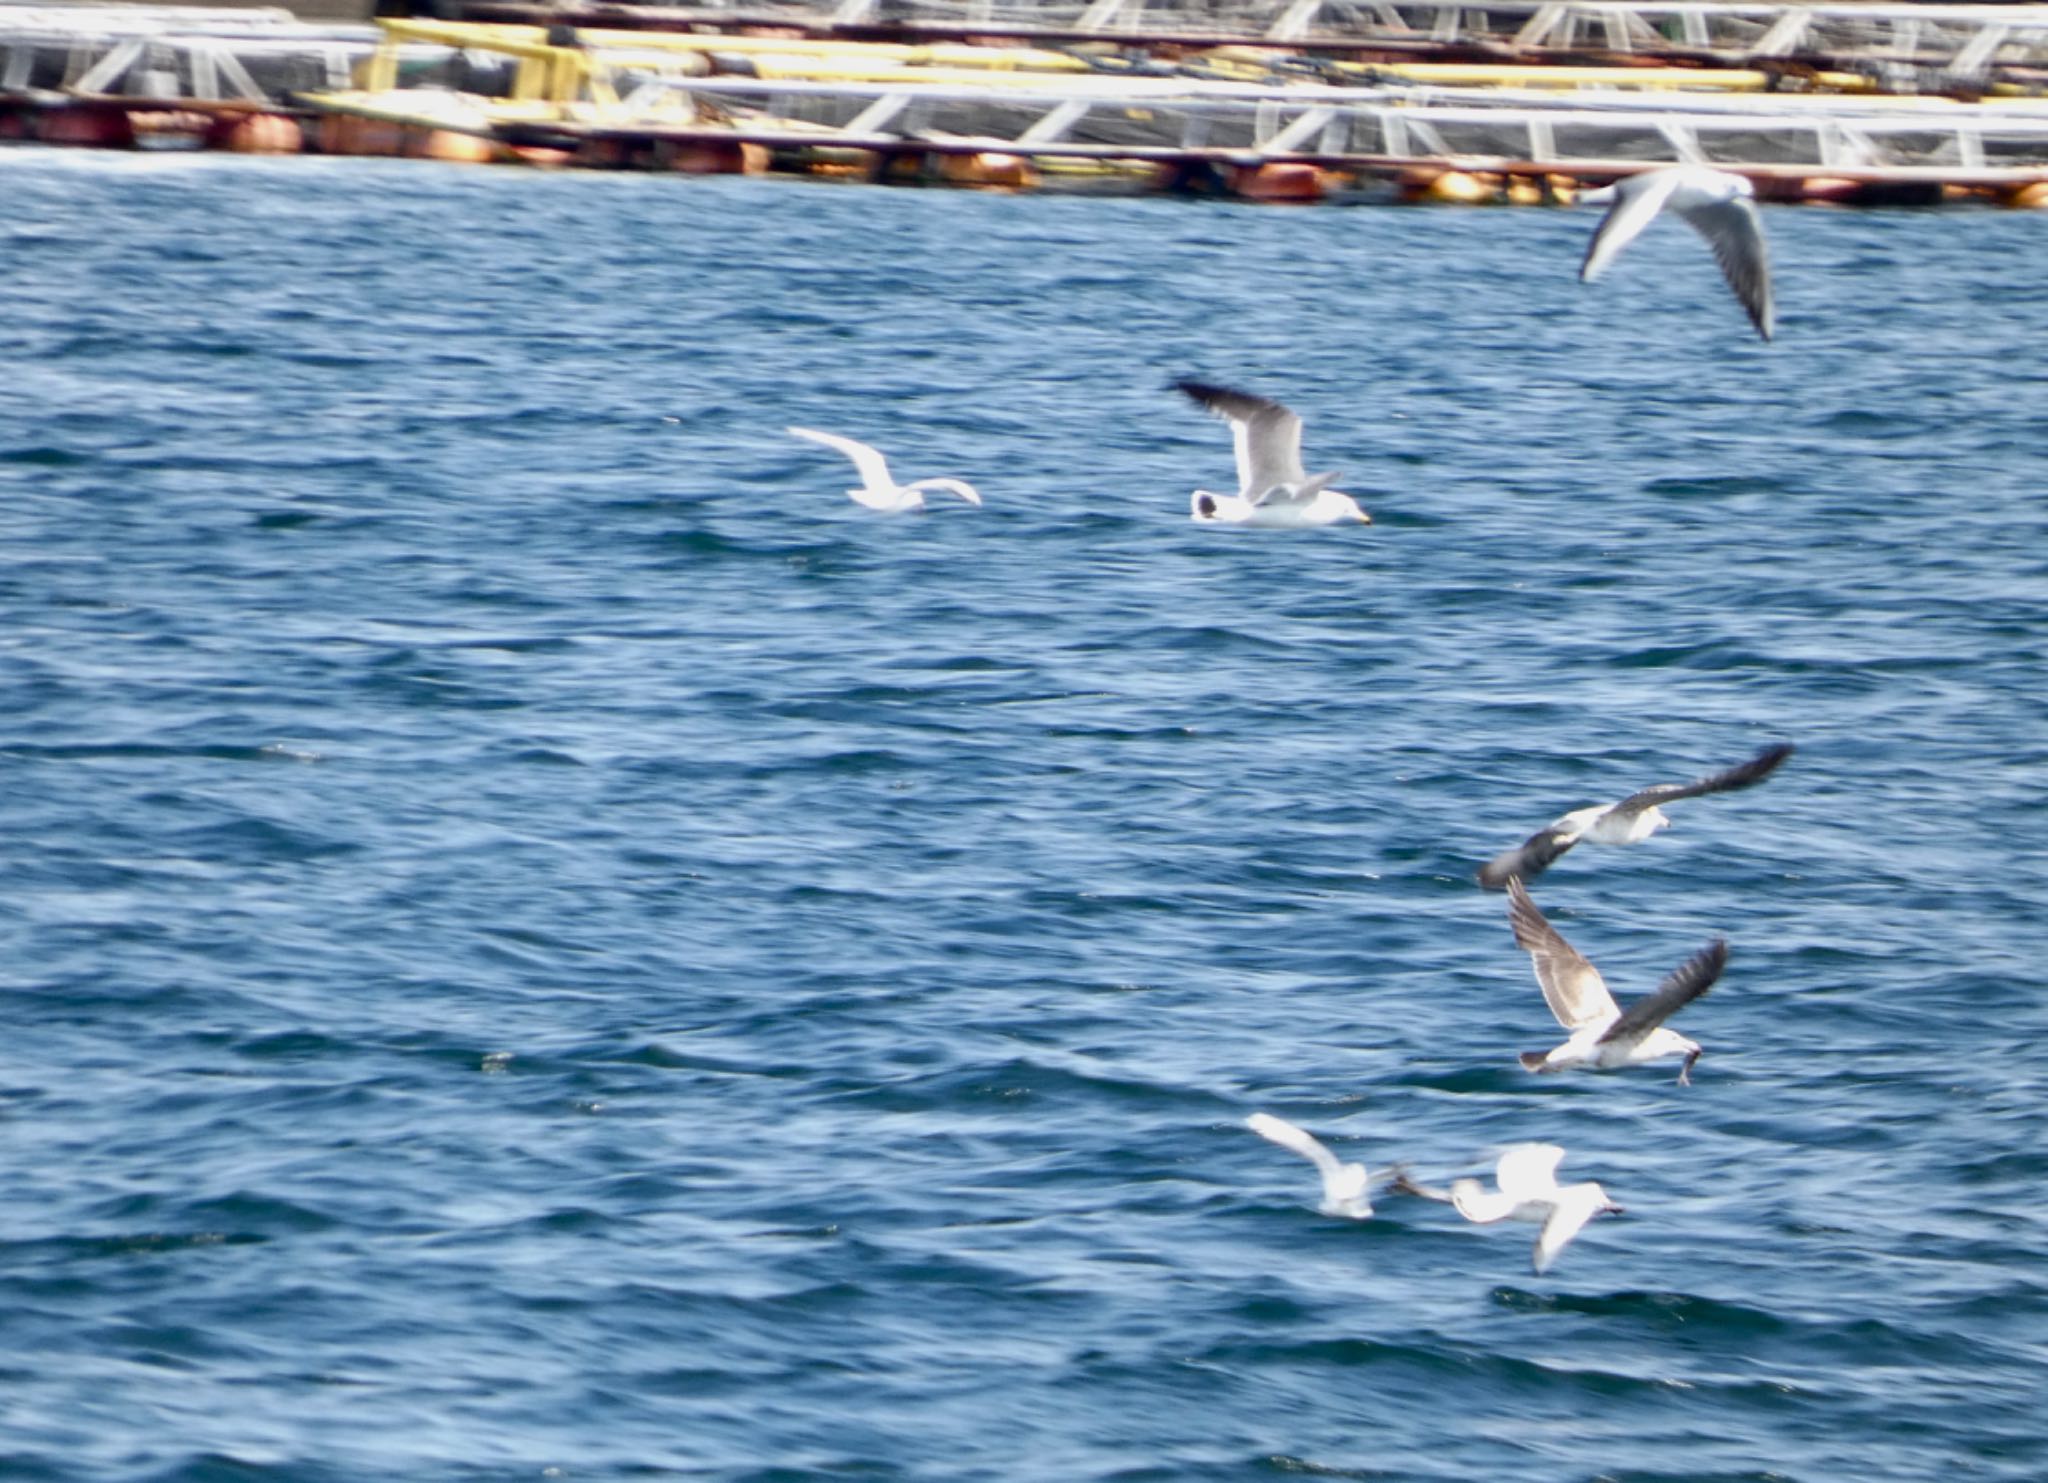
x: 1273, y: 489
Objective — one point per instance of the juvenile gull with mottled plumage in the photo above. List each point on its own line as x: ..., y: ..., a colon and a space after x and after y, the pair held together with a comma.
x: 1604, y: 1035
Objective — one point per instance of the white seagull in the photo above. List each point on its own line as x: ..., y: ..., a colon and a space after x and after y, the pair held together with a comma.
x: 878, y: 491
x: 1603, y: 1035
x: 1344, y: 1185
x: 1273, y: 489
x: 1630, y: 821
x: 1528, y: 1190
x: 1719, y: 206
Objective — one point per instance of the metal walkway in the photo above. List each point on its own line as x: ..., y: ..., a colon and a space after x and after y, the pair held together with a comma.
x: 1153, y: 119
x: 183, y: 52
x: 1966, y: 40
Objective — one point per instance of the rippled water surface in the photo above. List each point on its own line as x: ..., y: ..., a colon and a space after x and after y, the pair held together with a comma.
x: 540, y: 940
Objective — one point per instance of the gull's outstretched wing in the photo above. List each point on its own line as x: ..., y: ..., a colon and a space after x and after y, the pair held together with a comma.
x: 1681, y: 986
x: 1480, y: 1205
x: 1743, y: 775
x: 960, y: 487
x: 1268, y: 437
x: 1637, y: 200
x: 1572, y: 987
x: 1297, y: 1140
x: 1528, y: 1171
x: 874, y: 469
x: 1576, y: 1205
x: 1345, y: 1186
x: 1735, y: 232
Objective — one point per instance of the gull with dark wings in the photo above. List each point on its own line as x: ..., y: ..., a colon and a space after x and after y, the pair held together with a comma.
x: 1630, y: 821
x: 1273, y: 489
x: 1603, y: 1035
x: 1720, y: 206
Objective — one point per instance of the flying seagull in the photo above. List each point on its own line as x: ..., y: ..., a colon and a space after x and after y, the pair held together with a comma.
x: 1719, y: 206
x: 1630, y: 821
x: 878, y: 491
x: 1273, y: 489
x: 1526, y: 1177
x: 1603, y: 1035
x: 1344, y: 1185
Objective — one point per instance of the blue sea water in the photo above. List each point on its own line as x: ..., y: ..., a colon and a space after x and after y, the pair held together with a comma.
x: 538, y: 940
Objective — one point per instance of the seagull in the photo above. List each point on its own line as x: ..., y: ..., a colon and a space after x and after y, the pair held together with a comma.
x: 1719, y: 206
x: 1630, y: 821
x: 878, y: 491
x: 1603, y: 1035
x: 1528, y: 1190
x: 1273, y: 488
x: 1344, y: 1185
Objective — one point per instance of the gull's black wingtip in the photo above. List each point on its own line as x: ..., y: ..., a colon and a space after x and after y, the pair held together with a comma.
x: 1766, y: 762
x: 1497, y: 874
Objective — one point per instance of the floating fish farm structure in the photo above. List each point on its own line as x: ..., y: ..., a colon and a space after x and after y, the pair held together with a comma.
x: 1522, y: 101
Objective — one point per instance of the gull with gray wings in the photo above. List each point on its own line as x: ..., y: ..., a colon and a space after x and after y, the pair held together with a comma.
x: 1720, y: 206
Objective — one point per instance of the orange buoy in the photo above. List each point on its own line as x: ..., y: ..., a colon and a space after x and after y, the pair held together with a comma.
x: 451, y: 146
x: 722, y: 157
x: 1462, y: 188
x: 989, y: 168
x: 170, y: 127
x: 258, y: 133
x: 1295, y: 183
x: 2028, y: 197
